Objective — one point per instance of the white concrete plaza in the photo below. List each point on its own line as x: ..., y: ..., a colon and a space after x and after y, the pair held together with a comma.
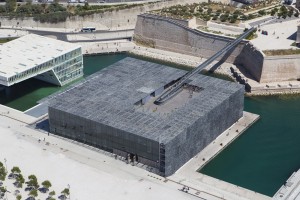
x: 279, y: 35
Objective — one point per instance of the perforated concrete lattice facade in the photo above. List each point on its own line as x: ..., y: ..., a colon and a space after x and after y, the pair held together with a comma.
x: 113, y: 110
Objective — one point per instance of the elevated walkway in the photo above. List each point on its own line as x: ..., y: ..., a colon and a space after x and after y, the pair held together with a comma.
x: 173, y: 90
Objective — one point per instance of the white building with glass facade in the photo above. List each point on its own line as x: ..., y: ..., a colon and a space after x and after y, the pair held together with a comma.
x: 44, y: 58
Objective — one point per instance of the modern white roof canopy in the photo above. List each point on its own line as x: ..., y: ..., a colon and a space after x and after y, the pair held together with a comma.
x: 27, y: 52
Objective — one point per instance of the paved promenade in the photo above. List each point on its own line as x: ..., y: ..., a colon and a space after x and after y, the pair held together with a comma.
x: 291, y: 189
x: 95, y: 174
x: 92, y: 174
x: 106, y: 47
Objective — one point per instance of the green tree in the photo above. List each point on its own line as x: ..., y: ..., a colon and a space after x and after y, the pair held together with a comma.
x: 20, y: 179
x: 52, y: 193
x: 86, y: 6
x: 32, y: 178
x: 284, y: 16
x: 33, y: 181
x: 66, y: 192
x: 15, y: 170
x: 232, y: 20
x: 223, y: 17
x: 273, y: 12
x: 2, y: 9
x: 209, y: 10
x: 10, y: 5
x: 250, y: 16
x: 46, y: 184
x: 19, y: 197
x: 290, y: 13
x: 296, y: 14
x: 2, y: 172
x: 279, y: 15
x: 33, y: 193
x: 262, y: 12
x: 3, y: 189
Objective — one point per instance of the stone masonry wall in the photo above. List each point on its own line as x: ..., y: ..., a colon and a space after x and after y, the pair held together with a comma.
x: 109, y: 20
x: 281, y: 68
x: 167, y: 34
x: 251, y: 60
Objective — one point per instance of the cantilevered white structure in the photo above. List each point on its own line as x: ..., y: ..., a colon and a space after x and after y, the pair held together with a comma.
x: 47, y: 59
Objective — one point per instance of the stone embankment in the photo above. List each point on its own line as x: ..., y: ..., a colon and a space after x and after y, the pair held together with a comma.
x: 255, y: 88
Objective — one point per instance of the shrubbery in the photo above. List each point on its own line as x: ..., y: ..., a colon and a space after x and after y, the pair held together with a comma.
x: 52, y: 17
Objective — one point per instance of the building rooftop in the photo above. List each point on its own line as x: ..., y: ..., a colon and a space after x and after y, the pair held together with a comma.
x: 110, y: 97
x: 29, y: 51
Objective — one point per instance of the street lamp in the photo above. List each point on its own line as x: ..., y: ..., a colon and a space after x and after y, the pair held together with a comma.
x: 5, y: 165
x: 69, y: 191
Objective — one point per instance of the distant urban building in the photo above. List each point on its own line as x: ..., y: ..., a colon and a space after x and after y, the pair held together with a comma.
x: 113, y: 110
x: 298, y: 35
x: 298, y: 4
x: 44, y: 58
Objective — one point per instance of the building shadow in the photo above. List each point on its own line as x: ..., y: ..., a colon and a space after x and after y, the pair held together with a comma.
x: 43, y: 125
x: 293, y: 36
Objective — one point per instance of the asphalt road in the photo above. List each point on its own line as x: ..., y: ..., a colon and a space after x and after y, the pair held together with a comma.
x: 91, y: 2
x: 63, y: 35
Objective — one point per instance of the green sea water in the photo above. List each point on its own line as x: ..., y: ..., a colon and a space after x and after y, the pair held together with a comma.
x: 261, y: 159
x: 25, y: 95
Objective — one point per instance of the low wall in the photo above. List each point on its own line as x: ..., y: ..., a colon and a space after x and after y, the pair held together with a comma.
x: 225, y: 27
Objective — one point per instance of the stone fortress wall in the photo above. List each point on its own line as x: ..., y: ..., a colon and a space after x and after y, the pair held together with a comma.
x: 279, y: 68
x: 168, y: 34
x: 120, y: 19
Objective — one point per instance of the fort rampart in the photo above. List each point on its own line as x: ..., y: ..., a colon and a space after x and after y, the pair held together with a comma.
x: 168, y: 34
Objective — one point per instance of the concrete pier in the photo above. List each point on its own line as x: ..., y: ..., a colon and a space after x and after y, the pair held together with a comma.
x: 291, y: 189
x: 189, y: 176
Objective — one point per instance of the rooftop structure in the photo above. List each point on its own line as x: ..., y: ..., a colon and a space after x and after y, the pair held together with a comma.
x: 114, y: 110
x: 32, y: 55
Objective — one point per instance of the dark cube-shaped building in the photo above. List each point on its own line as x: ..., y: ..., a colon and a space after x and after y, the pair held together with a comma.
x: 114, y: 110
